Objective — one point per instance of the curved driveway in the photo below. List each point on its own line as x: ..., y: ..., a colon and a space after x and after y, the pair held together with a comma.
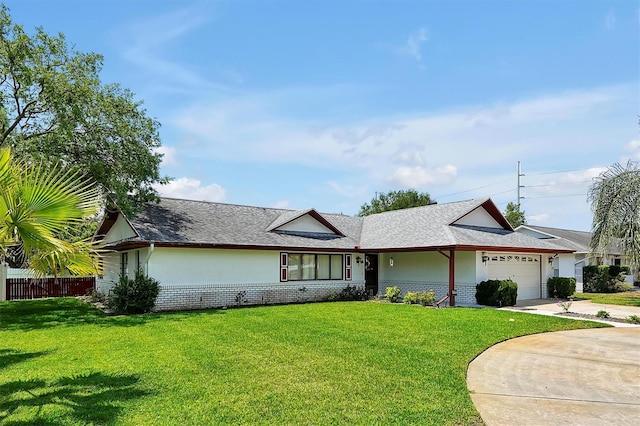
x: 585, y: 377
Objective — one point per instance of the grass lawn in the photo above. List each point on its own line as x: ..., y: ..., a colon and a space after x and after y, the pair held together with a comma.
x: 64, y: 363
x: 627, y: 298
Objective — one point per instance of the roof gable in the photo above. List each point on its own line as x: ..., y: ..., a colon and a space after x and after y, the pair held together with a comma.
x: 304, y: 222
x: 115, y: 227
x: 485, y: 215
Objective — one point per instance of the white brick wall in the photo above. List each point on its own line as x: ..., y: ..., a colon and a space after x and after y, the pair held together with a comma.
x: 206, y: 296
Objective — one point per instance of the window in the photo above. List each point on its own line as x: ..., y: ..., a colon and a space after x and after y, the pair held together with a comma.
x: 307, y: 266
x: 617, y: 261
x: 124, y: 264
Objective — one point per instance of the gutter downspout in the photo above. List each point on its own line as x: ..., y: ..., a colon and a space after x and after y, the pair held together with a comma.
x: 152, y: 248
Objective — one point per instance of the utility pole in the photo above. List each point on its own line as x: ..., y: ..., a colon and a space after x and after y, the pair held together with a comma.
x: 519, y: 186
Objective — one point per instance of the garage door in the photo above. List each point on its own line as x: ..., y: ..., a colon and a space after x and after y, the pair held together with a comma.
x: 521, y: 268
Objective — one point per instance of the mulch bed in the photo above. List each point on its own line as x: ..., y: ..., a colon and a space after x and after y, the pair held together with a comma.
x: 589, y: 316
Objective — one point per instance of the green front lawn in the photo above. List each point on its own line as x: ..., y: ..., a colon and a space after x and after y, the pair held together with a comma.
x: 62, y: 363
x: 627, y: 298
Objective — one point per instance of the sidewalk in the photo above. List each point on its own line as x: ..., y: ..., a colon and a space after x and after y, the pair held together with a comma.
x: 586, y: 307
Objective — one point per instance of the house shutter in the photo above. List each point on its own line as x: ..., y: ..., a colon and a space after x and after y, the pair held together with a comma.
x: 284, y: 267
x: 347, y: 267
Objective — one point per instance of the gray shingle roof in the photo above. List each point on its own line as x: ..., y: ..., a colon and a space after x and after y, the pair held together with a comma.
x: 575, y: 240
x: 198, y: 222
x: 578, y: 241
x: 187, y: 222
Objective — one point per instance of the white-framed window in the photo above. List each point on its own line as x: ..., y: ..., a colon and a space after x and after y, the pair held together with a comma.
x: 124, y: 264
x: 311, y: 266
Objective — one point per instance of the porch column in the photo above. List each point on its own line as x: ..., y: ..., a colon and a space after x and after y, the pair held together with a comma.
x: 452, y: 278
x: 452, y: 275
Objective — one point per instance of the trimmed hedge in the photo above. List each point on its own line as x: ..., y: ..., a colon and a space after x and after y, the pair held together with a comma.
x: 497, y: 293
x: 561, y: 287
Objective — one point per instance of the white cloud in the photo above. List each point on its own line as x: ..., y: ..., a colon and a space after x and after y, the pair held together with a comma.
x: 169, y: 156
x: 421, y: 177
x: 148, y: 44
x: 537, y: 219
x: 448, y: 151
x: 634, y: 148
x: 413, y: 46
x: 282, y: 204
x: 191, y: 189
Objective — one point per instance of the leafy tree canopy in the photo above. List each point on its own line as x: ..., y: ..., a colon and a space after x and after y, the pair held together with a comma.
x: 514, y: 215
x: 615, y: 202
x: 54, y: 108
x: 395, y: 200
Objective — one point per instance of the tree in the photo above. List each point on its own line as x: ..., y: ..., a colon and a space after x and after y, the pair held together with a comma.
x: 514, y: 215
x: 615, y: 202
x: 395, y: 200
x: 54, y: 108
x: 37, y: 203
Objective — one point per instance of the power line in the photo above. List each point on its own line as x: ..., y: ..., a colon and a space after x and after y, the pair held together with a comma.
x: 473, y: 189
x: 557, y: 196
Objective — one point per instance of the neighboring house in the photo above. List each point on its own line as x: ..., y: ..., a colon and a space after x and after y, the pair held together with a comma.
x: 579, y: 241
x: 208, y: 254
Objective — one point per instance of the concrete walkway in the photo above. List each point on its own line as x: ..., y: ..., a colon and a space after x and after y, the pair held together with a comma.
x: 584, y: 377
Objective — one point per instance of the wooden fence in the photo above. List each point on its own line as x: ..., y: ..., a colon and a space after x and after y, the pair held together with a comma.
x: 37, y: 288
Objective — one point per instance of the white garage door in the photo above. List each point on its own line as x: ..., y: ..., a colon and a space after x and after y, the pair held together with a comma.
x: 521, y: 268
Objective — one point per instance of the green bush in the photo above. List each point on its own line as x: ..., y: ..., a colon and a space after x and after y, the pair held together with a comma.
x: 497, y: 293
x: 603, y: 314
x: 134, y: 296
x: 392, y: 294
x: 603, y: 279
x: 633, y: 319
x: 561, y: 287
x: 410, y: 298
x: 350, y: 293
x: 487, y: 292
x: 507, y: 293
x: 424, y: 298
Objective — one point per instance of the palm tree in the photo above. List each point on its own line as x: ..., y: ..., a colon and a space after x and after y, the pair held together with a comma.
x: 615, y: 201
x: 37, y: 204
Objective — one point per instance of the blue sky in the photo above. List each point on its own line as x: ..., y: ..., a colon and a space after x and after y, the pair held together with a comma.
x: 324, y: 103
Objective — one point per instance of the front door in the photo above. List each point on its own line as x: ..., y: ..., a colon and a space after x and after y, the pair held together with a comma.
x: 371, y: 273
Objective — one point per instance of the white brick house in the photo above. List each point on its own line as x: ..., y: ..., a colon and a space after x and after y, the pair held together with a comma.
x: 209, y: 255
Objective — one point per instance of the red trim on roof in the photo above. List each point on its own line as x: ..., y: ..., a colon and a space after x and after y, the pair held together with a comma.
x: 493, y: 211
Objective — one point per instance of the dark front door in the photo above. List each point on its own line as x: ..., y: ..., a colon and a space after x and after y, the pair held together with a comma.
x: 371, y: 273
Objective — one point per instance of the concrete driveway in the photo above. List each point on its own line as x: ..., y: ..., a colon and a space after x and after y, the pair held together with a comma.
x: 584, y: 377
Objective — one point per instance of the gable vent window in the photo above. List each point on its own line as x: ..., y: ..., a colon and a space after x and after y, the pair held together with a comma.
x: 309, y: 266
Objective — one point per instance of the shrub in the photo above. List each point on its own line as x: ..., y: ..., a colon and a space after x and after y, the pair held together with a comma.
x: 410, y: 298
x: 487, y: 292
x: 621, y: 286
x: 633, y: 319
x: 392, y: 294
x: 424, y: 298
x: 350, y: 293
x: 603, y: 314
x: 561, y: 287
x: 497, y: 293
x: 134, y: 296
x: 595, y: 278
x: 604, y: 279
x: 507, y: 293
